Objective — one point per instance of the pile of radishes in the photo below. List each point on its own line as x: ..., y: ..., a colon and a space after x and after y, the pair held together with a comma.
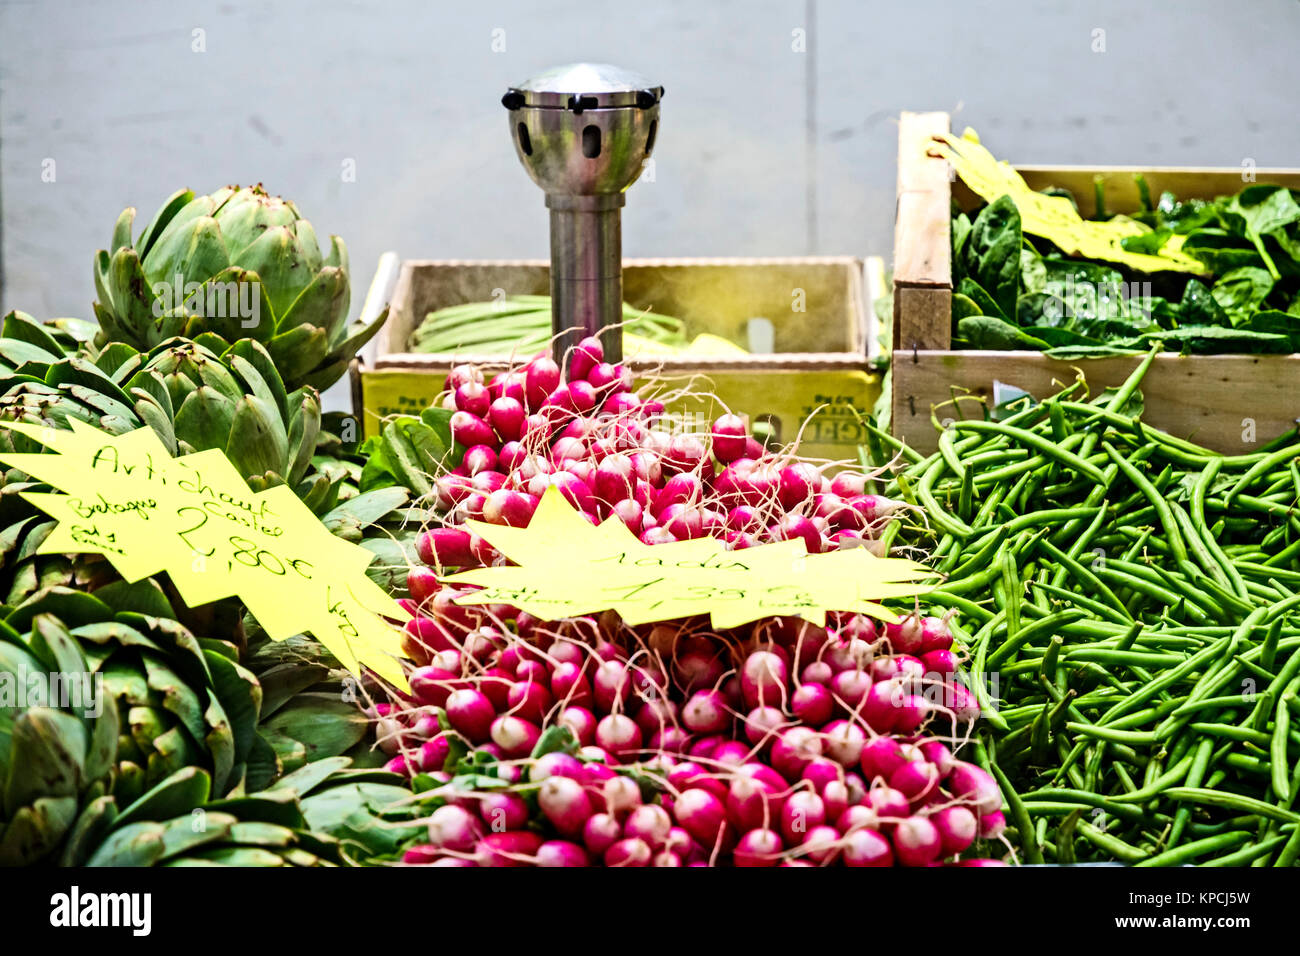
x: 600, y: 443
x: 776, y: 743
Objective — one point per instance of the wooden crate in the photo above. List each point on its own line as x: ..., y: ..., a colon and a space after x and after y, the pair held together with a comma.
x: 1231, y: 403
x: 819, y: 362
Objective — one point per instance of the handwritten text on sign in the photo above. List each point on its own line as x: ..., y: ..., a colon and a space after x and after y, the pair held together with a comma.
x: 195, y: 518
x: 565, y: 567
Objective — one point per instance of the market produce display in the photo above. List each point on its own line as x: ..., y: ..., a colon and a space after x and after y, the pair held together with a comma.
x: 1128, y: 600
x: 1012, y: 290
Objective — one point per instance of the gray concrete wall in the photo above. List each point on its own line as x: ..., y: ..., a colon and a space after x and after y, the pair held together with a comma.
x: 764, y: 150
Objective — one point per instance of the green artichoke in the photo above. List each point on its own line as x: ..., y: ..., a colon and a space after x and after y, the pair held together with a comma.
x: 236, y: 264
x: 56, y: 756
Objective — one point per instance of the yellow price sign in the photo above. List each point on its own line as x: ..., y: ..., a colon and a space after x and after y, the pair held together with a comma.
x: 1054, y: 217
x: 195, y: 518
x: 566, y: 567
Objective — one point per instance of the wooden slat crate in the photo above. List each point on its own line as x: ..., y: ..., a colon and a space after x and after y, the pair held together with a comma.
x: 820, y: 357
x: 1232, y: 403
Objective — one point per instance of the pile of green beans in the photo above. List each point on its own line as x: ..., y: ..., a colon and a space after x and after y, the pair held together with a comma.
x: 1130, y: 606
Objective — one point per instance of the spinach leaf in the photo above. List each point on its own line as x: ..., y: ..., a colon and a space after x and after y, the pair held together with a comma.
x: 1148, y: 243
x: 1240, y: 292
x: 1279, y: 323
x: 989, y: 332
x: 964, y: 305
x: 1221, y: 251
x: 1033, y: 274
x: 1089, y: 290
x: 960, y: 232
x: 1214, y: 340
x: 984, y: 303
x: 1058, y: 337
x: 992, y: 253
x: 1199, y: 307
x: 1041, y: 309
x: 1257, y: 211
x: 1185, y: 217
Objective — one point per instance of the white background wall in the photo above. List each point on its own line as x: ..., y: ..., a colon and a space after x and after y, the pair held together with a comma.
x: 287, y: 92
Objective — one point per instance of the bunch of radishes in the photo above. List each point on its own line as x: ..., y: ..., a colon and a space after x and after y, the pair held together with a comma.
x: 814, y: 744
x: 566, y: 811
x: 600, y: 443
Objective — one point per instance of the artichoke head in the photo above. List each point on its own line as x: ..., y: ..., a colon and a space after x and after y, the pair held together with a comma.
x: 236, y: 264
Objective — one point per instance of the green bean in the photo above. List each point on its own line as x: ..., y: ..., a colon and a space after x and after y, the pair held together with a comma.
x: 1019, y: 816
x: 1231, y: 801
x: 1278, y: 743
x: 1261, y: 467
x: 1197, y: 848
x: 1045, y: 448
x: 942, y: 520
x: 1086, y: 577
x: 1158, y: 502
x: 1116, y: 847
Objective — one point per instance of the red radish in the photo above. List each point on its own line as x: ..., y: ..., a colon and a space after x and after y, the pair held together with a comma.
x: 621, y: 403
x: 888, y: 802
x: 866, y: 847
x: 729, y: 434
x: 529, y: 700
x: 530, y: 671
x: 568, y: 450
x: 975, y: 787
x: 683, y: 522
x: 581, y: 396
x: 837, y: 797
x: 916, y: 841
x: 683, y: 489
x: 855, y: 817
x: 561, y: 853
x: 935, y: 634
x: 843, y: 742
x: 763, y: 679
x: 794, y: 749
x: 818, y: 672
x: 685, y: 453
x: 687, y: 774
x: 652, y: 536
x: 650, y: 823
x: 938, y: 754
x: 882, y: 705
x: 666, y: 858
x: 701, y: 814
x: 991, y: 825
x: 469, y: 429
x: 655, y: 714
x: 857, y: 788
x: 516, y: 737
x: 848, y: 485
x: 706, y: 713
x: 565, y: 803
x: 629, y: 852
x: 981, y: 862
x: 962, y: 702
x: 512, y: 848
x: 957, y: 828
x: 820, y: 773
x: 507, y: 418
x: 422, y: 854
x: 881, y: 756
x: 431, y: 685
x: 912, y: 713
x: 697, y: 667
x: 555, y: 764
x: 797, y: 483
x: 601, y: 832
x: 502, y: 810
x: 570, y: 685
x: 672, y: 740
x: 619, y: 734
x: 821, y: 845
x: 851, y: 688
x: 612, y: 685
x: 731, y: 753
x: 630, y: 513
x: 907, y: 636
x: 473, y: 397
x: 615, y: 478
x: 758, y: 848
x: 874, y: 507
x: 463, y: 374
x: 586, y: 355
x: 453, y: 828
x: 754, y: 802
x: 939, y: 662
x: 793, y: 527
x: 422, y: 583
x: 508, y: 385
x: 471, y: 713
x: 916, y: 779
x: 541, y: 378
x: 603, y: 377
x: 444, y: 546
x: 802, y: 811
x: 763, y: 723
